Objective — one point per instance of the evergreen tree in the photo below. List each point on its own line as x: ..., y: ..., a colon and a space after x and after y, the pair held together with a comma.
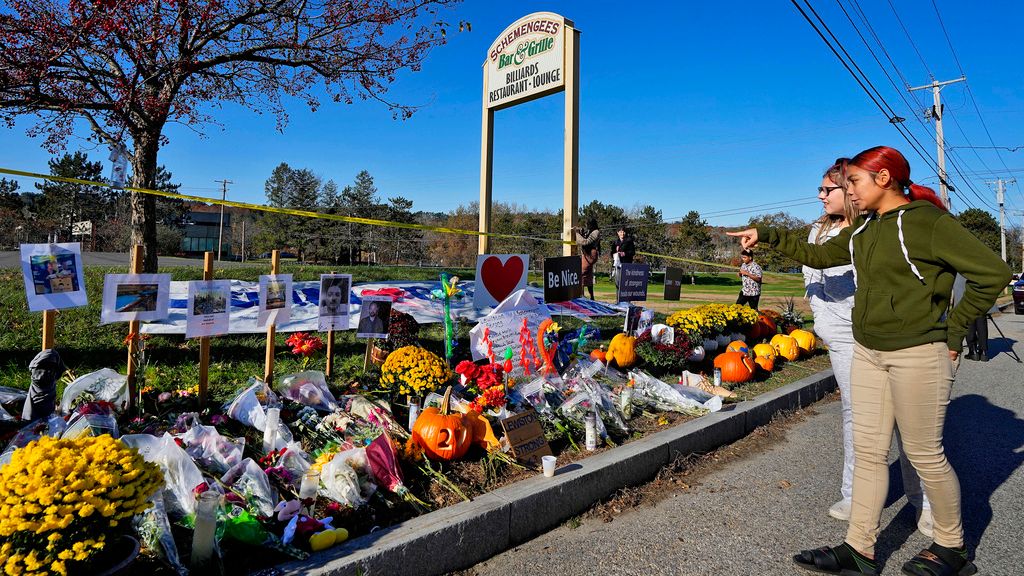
x: 9, y: 197
x: 982, y: 225
x: 65, y: 203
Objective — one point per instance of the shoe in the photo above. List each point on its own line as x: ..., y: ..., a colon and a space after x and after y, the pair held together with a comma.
x: 841, y: 510
x: 925, y: 524
x: 974, y: 356
x: 982, y: 356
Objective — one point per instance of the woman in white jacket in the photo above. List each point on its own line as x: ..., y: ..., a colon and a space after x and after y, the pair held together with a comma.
x: 830, y: 292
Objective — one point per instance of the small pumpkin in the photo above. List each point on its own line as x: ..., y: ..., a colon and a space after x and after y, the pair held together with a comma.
x: 735, y: 366
x: 622, y: 351
x: 765, y: 351
x: 441, y: 434
x: 786, y: 346
x: 804, y: 339
x: 738, y: 346
x: 767, y: 363
x: 598, y: 354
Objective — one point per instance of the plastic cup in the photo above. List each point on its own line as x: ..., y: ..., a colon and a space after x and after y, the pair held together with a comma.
x: 549, y: 465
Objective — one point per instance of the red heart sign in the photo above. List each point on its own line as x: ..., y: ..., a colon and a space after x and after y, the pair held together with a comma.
x: 501, y: 279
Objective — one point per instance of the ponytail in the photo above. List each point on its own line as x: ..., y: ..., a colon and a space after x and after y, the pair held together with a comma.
x: 918, y: 192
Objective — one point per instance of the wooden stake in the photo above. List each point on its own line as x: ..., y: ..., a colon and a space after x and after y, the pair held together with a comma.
x: 268, y: 372
x: 330, y: 345
x: 49, y: 328
x: 204, y: 342
x: 133, y: 328
x: 369, y: 352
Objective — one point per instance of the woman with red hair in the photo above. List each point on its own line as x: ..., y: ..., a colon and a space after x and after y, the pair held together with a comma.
x: 906, y: 251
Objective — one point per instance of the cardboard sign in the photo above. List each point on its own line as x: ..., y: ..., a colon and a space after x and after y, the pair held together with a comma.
x: 633, y: 282
x: 497, y: 276
x: 526, y: 437
x: 563, y: 278
x: 673, y: 283
x: 504, y: 323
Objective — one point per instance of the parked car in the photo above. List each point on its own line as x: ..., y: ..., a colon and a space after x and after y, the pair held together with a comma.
x: 1018, y: 297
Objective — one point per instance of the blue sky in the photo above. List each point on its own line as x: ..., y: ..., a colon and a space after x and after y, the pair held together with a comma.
x: 707, y: 106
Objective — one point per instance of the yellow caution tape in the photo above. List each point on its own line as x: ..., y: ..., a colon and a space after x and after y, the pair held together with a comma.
x: 336, y: 217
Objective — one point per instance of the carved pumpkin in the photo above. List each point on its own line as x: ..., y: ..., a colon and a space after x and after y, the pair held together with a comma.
x: 598, y: 354
x: 804, y: 339
x: 765, y: 351
x: 441, y: 434
x: 483, y: 434
x: 786, y: 346
x: 738, y: 346
x: 622, y: 351
x: 735, y: 366
x: 767, y: 363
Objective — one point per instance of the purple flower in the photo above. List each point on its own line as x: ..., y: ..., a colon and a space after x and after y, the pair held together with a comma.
x: 218, y: 419
x: 163, y: 397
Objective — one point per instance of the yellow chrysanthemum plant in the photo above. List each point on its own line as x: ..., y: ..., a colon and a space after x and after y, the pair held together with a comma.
x: 62, y: 501
x: 710, y: 320
x: 414, y: 371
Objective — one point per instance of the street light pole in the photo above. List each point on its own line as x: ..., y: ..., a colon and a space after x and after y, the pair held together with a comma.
x: 223, y: 197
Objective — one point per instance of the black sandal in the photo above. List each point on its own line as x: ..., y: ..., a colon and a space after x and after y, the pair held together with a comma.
x: 842, y: 560
x: 938, y: 560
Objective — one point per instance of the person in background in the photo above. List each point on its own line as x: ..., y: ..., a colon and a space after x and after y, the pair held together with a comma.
x: 830, y: 293
x: 906, y: 253
x: 750, y: 274
x: 977, y: 339
x: 589, y: 240
x: 623, y: 251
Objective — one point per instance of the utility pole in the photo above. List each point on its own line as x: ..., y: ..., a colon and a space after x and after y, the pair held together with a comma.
x: 936, y: 113
x: 223, y: 197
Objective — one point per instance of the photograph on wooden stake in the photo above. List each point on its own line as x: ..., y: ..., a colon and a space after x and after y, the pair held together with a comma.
x: 53, y: 276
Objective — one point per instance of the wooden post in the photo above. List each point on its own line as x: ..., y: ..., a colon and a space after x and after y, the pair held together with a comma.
x: 49, y: 328
x: 133, y: 328
x: 268, y: 372
x: 369, y: 352
x: 330, y: 345
x: 204, y: 342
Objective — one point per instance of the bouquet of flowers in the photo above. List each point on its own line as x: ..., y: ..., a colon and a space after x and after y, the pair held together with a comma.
x: 65, y: 499
x: 304, y: 345
x: 414, y: 370
x: 662, y: 357
x: 403, y: 331
x: 485, y: 384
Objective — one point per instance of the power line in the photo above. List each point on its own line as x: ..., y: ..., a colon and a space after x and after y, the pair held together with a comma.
x: 911, y: 40
x: 1008, y: 148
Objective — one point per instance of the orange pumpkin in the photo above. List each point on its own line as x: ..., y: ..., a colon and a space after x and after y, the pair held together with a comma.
x: 765, y: 351
x: 763, y: 329
x: 786, y: 346
x: 735, y: 366
x: 598, y: 354
x: 738, y: 346
x: 804, y: 339
x: 767, y: 363
x: 441, y: 434
x: 483, y: 434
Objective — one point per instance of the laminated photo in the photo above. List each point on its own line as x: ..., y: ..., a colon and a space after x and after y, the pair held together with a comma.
x: 275, y: 299
x: 54, y: 277
x: 128, y: 297
x: 209, y: 303
x: 374, y: 317
x: 335, y: 291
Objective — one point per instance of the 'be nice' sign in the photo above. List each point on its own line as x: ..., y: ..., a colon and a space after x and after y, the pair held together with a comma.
x: 563, y: 278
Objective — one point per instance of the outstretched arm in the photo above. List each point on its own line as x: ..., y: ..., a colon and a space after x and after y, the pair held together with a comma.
x: 835, y: 252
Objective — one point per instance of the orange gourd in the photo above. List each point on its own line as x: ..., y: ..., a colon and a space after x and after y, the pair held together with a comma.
x: 786, y: 346
x: 738, y: 346
x: 767, y: 363
x: 483, y: 434
x: 441, y: 434
x: 735, y: 366
x: 598, y: 354
x: 765, y: 351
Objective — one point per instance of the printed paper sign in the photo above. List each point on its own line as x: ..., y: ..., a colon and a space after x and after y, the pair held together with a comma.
x: 504, y: 326
x: 374, y: 317
x: 633, y: 282
x: 208, y: 308
x: 673, y: 283
x: 335, y: 295
x: 128, y: 297
x: 497, y: 276
x: 275, y: 299
x: 53, y: 275
x: 563, y: 278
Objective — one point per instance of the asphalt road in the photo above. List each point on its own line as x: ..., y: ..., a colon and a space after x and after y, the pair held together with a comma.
x: 742, y: 521
x: 13, y: 260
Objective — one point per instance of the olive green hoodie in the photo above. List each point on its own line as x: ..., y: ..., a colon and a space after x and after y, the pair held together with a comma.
x: 905, y: 261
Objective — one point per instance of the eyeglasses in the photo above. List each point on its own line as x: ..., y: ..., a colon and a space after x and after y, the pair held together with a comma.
x: 828, y: 189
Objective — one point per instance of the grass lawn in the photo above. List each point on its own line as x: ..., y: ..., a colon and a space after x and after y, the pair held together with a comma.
x: 85, y: 345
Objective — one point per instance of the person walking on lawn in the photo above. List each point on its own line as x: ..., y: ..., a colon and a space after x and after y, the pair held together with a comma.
x: 750, y: 275
x: 906, y: 252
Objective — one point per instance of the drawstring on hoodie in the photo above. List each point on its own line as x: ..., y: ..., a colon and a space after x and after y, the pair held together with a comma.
x: 903, y: 245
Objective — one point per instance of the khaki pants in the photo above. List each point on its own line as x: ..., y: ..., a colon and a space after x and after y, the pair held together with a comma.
x: 907, y: 388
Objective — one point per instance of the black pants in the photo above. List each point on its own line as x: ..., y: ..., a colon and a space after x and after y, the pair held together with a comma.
x: 750, y: 301
x: 977, y: 335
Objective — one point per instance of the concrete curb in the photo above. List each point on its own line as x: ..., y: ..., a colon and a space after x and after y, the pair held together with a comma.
x: 465, y: 534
